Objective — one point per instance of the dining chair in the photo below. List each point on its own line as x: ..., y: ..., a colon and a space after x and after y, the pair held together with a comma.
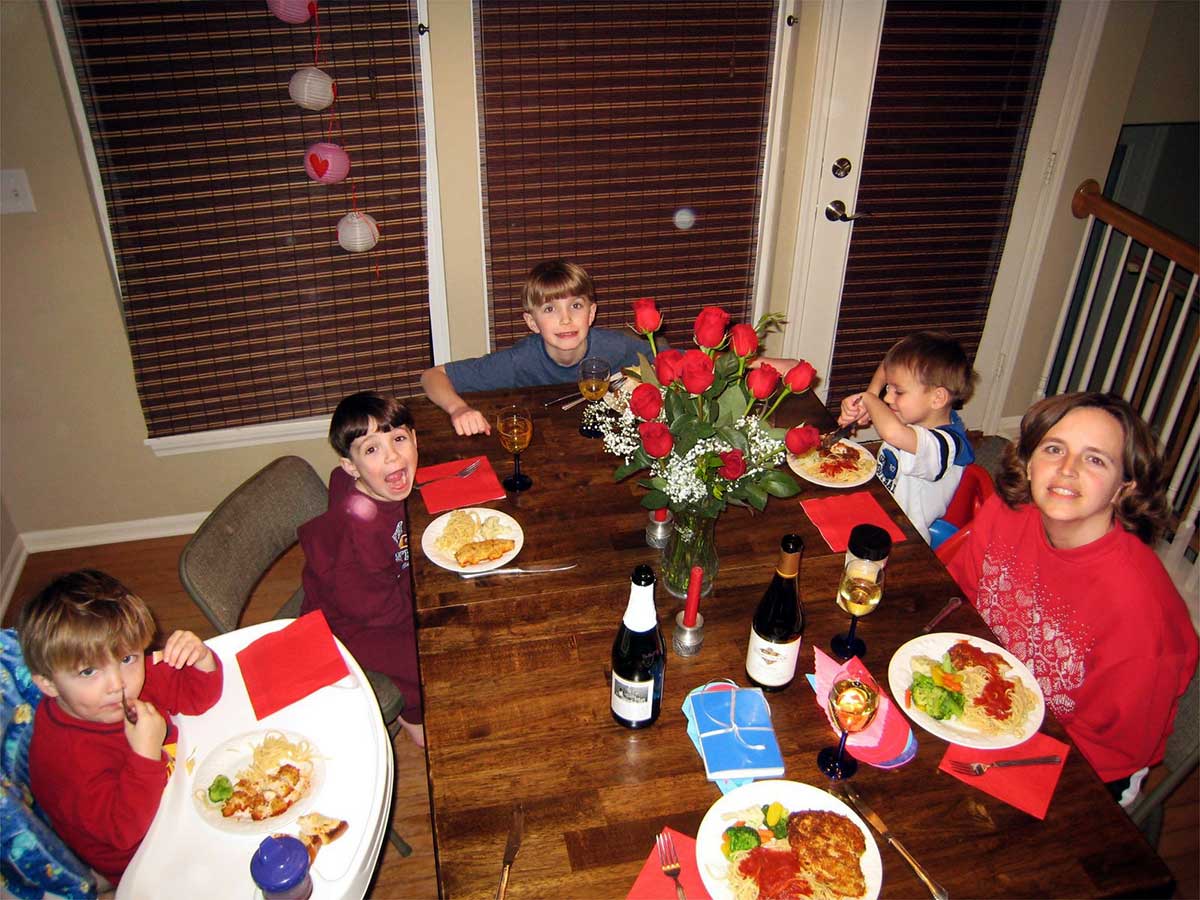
x: 973, y: 490
x: 1181, y: 758
x: 243, y: 537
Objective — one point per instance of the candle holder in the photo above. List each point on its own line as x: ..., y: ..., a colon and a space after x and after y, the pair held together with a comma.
x: 687, y: 639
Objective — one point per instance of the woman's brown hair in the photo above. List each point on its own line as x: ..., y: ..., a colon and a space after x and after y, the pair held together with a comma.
x: 1142, y: 509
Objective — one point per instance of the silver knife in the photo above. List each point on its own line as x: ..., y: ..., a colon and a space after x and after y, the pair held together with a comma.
x: 951, y: 605
x: 517, y: 570
x: 511, y: 848
x: 851, y: 795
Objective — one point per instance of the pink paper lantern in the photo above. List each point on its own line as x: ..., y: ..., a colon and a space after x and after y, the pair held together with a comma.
x: 357, y: 232
x: 326, y: 163
x: 294, y: 12
x: 311, y: 88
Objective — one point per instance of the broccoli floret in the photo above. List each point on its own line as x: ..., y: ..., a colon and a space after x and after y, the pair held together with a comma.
x: 935, y: 700
x: 742, y: 837
x: 220, y: 790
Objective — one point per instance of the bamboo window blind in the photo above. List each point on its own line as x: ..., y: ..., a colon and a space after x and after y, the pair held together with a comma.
x: 239, y: 304
x: 955, y: 91
x: 604, y: 126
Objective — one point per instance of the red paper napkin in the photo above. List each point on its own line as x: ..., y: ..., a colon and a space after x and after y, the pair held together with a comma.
x: 835, y: 516
x: 480, y: 486
x: 288, y: 665
x: 652, y: 884
x: 1028, y: 788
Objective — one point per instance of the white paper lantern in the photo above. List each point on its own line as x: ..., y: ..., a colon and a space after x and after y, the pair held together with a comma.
x: 311, y: 88
x: 326, y: 163
x: 294, y: 12
x: 357, y: 232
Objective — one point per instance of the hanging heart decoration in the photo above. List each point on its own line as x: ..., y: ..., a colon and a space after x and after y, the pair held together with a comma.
x: 294, y: 12
x: 326, y: 163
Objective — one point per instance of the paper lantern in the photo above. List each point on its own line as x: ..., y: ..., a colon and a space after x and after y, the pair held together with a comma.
x: 326, y: 163
x: 311, y: 88
x: 357, y: 232
x: 294, y: 12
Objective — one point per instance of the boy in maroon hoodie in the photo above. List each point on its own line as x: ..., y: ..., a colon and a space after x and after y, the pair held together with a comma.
x: 102, y: 748
x: 358, y: 570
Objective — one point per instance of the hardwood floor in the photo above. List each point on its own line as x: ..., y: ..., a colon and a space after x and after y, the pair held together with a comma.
x: 149, y: 567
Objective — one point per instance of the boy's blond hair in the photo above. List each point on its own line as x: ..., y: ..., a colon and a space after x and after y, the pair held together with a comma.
x: 938, y: 360
x: 553, y: 280
x: 81, y: 619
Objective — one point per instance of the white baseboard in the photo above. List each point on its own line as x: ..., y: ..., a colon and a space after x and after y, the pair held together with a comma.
x: 1009, y: 427
x: 88, y: 536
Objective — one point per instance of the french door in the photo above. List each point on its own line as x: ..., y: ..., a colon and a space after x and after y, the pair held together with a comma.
x: 923, y: 112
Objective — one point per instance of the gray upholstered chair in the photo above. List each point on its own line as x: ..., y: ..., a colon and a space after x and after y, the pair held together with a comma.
x: 1181, y: 758
x: 243, y: 537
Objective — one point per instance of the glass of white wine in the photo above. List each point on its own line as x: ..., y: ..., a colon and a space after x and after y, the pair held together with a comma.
x: 853, y: 704
x: 859, y: 593
x: 514, y: 425
x: 593, y: 381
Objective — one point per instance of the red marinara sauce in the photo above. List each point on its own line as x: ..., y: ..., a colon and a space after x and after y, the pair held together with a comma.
x: 995, y: 698
x: 776, y: 872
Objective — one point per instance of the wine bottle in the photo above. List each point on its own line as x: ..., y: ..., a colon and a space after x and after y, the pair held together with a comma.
x: 778, y: 625
x: 639, y: 658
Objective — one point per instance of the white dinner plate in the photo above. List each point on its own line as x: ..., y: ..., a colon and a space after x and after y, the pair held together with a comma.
x: 933, y: 646
x: 795, y: 797
x: 794, y: 464
x: 512, y: 531
x: 236, y: 754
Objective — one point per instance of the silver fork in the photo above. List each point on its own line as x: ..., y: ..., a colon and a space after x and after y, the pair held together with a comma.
x: 669, y: 860
x: 466, y: 470
x: 978, y: 768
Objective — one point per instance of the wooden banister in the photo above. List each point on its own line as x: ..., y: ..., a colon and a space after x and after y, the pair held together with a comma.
x: 1088, y: 201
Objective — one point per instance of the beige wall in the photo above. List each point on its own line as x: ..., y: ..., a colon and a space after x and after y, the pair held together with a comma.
x: 1166, y: 88
x: 1103, y: 113
x: 72, y: 450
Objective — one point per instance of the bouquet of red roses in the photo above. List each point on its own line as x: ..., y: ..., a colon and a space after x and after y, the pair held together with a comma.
x: 699, y: 422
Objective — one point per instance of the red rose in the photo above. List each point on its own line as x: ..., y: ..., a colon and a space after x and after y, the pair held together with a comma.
x: 802, y: 438
x: 667, y: 366
x: 762, y: 381
x: 646, y: 402
x: 710, y: 326
x: 799, y: 377
x: 656, y: 438
x: 646, y: 317
x: 735, y: 465
x: 697, y: 372
x: 743, y: 339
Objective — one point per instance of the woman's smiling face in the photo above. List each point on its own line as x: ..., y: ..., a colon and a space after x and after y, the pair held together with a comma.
x: 1075, y: 475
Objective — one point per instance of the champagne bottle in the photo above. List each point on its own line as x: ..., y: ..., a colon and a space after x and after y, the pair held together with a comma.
x: 639, y: 657
x: 777, y: 629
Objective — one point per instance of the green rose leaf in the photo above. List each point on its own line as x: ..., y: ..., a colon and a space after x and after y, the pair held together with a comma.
x: 655, y: 500
x: 779, y: 484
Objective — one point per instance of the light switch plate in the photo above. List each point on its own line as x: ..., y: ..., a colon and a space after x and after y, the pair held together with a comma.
x: 15, y: 195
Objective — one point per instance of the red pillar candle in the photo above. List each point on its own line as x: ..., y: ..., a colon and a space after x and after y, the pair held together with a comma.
x: 693, y: 597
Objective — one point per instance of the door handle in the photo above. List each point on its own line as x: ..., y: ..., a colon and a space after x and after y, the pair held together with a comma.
x: 836, y: 212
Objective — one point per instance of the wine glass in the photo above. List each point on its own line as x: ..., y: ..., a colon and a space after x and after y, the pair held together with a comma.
x: 593, y: 384
x: 859, y: 594
x: 853, y: 705
x: 514, y: 425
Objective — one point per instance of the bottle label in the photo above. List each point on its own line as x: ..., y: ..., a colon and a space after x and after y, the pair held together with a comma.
x: 632, y: 700
x: 772, y: 664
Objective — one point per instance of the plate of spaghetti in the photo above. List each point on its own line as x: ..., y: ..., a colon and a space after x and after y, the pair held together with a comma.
x: 966, y: 690
x: 844, y: 465
x: 257, y: 782
x: 786, y: 839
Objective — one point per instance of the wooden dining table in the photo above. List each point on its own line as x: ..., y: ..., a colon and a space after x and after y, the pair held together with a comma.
x: 515, y: 676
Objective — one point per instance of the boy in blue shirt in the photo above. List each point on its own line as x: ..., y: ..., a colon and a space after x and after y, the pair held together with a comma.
x: 560, y: 306
x: 925, y: 444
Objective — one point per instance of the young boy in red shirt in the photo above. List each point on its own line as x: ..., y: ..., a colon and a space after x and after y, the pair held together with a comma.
x: 102, y: 750
x: 357, y: 564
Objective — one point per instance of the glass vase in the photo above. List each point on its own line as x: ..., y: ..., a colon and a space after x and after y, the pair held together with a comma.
x: 692, y: 543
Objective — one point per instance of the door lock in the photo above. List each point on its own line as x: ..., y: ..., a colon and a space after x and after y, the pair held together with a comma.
x: 841, y: 168
x: 836, y: 212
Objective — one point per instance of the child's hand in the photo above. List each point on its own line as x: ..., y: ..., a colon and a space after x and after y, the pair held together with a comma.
x: 468, y: 421
x: 853, y: 410
x: 185, y: 649
x: 146, y: 737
